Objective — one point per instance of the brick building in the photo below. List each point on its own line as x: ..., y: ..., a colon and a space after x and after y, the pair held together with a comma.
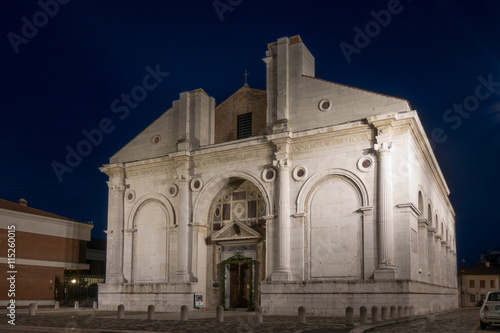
x: 45, y: 246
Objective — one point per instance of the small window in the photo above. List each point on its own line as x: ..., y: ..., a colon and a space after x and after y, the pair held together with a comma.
x: 482, y: 284
x: 244, y: 126
x: 492, y: 284
x: 472, y: 284
x: 472, y: 297
x: 482, y: 297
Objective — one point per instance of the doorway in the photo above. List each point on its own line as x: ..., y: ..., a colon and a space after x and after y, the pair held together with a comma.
x: 238, y: 282
x: 239, y: 285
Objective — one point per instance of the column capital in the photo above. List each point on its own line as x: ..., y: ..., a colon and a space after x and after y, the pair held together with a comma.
x: 384, y: 140
x: 384, y: 148
x: 182, y: 177
x: 113, y: 186
x: 282, y: 164
x: 116, y: 170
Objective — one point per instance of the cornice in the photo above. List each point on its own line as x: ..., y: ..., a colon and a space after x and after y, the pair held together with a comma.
x: 410, y: 205
x: 46, y: 263
x: 233, y: 155
x: 112, y: 170
x: 420, y: 139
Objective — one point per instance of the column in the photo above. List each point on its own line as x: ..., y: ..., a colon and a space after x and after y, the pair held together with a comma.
x: 182, y: 274
x: 114, y: 255
x: 282, y: 163
x: 283, y: 271
x: 386, y: 268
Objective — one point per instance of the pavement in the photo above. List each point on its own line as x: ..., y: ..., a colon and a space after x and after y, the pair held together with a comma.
x: 97, y: 321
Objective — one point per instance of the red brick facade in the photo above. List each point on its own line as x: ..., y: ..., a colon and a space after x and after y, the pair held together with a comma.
x: 36, y: 248
x: 243, y: 101
x: 43, y: 247
x: 32, y: 282
x: 39, y: 282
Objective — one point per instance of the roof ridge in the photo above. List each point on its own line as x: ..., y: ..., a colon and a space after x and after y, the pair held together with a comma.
x: 13, y: 206
x: 357, y: 88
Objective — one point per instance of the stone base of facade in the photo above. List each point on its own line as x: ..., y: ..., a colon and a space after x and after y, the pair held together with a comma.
x: 327, y: 298
x: 333, y: 298
x: 137, y: 297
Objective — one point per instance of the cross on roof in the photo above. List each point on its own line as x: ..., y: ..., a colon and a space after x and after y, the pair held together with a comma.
x: 246, y: 77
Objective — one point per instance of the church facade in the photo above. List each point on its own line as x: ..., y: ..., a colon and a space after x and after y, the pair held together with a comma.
x: 310, y: 193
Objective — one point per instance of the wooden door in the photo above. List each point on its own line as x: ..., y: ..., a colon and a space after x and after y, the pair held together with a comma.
x: 239, y: 285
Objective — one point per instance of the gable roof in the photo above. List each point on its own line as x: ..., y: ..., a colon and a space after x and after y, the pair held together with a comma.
x: 9, y: 205
x: 479, y: 269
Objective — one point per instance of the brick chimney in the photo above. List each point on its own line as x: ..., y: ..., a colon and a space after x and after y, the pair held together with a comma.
x: 22, y: 202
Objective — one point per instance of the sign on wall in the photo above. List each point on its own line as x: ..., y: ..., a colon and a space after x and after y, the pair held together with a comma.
x: 198, y: 300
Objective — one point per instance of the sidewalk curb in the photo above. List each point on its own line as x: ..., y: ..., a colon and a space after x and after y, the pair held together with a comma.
x: 389, y: 322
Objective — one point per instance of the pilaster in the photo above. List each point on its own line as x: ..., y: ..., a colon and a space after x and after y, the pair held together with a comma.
x: 114, y: 252
x: 423, y: 259
x: 182, y: 273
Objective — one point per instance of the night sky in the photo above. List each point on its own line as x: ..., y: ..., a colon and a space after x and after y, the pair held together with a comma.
x: 62, y: 74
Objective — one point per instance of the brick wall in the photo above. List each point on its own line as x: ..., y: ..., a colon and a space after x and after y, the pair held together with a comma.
x: 32, y: 282
x: 38, y: 282
x: 242, y: 101
x: 42, y: 247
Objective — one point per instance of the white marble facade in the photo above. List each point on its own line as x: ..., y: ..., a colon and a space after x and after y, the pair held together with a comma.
x: 341, y: 204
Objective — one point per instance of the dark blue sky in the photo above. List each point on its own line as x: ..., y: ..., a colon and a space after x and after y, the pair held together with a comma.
x: 60, y: 74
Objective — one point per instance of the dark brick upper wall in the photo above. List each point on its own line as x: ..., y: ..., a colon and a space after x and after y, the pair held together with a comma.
x: 242, y: 101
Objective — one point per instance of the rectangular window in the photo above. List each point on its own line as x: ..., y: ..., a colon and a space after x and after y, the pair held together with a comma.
x: 239, y: 195
x: 252, y: 209
x: 226, y: 212
x: 492, y: 284
x: 483, y: 296
x: 472, y: 284
x: 472, y: 298
x: 244, y: 126
x: 482, y: 284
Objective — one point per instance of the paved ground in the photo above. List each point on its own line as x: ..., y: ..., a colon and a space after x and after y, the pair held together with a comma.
x: 86, y: 320
x: 69, y: 320
x: 464, y: 320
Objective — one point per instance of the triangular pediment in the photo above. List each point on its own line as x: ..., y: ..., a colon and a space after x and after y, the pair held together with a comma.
x: 235, y: 231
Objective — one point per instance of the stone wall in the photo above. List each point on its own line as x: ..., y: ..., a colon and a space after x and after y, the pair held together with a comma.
x: 332, y: 298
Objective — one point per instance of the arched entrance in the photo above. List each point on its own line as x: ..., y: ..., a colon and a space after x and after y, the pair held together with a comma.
x: 237, y: 232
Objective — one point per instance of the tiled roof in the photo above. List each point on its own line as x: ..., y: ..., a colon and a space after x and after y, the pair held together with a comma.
x: 4, y: 204
x: 479, y: 269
